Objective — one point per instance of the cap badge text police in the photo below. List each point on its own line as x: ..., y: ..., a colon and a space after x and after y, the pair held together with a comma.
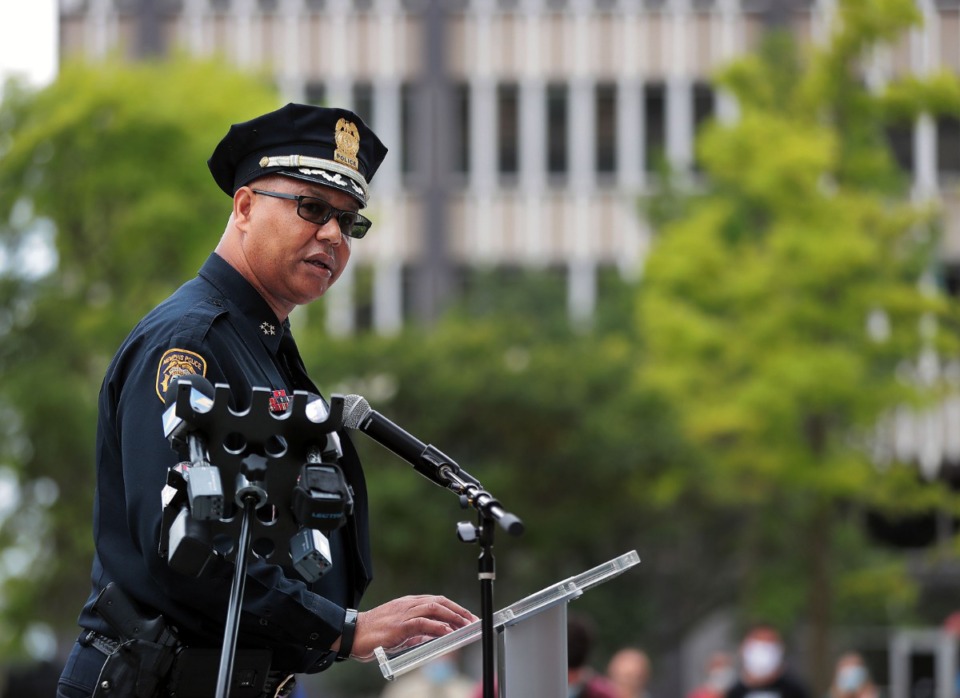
x: 348, y: 143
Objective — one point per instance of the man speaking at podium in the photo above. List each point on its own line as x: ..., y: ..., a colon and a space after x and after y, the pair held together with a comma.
x: 298, y: 178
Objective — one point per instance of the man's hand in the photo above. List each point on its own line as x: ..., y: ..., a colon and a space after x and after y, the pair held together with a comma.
x: 406, y: 622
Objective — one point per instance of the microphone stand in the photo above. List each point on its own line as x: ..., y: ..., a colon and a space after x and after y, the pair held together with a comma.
x: 251, y: 496
x: 487, y: 572
x: 489, y: 511
x: 228, y: 651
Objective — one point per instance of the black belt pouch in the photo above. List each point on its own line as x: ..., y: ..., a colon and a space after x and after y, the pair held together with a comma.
x: 195, y: 673
x: 134, y: 670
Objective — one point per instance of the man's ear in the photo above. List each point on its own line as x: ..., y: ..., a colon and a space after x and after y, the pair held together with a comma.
x: 242, y: 204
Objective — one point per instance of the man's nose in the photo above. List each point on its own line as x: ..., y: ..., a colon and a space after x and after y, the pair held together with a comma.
x: 330, y: 231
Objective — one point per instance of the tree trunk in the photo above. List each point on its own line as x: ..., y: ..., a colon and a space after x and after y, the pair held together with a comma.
x: 820, y: 599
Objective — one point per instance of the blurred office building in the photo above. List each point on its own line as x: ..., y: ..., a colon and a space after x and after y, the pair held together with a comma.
x: 521, y: 131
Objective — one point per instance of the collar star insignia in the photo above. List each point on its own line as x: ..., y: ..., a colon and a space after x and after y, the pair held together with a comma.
x: 268, y: 329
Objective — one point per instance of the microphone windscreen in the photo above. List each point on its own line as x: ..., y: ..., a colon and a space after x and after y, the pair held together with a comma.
x: 355, y: 410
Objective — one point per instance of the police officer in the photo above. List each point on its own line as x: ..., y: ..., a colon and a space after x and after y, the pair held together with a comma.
x: 298, y: 178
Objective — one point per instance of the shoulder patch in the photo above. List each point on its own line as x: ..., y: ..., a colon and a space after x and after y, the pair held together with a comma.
x: 175, y: 363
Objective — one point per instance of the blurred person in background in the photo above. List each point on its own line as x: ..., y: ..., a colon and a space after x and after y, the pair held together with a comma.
x: 763, y: 670
x: 582, y: 680
x: 721, y: 675
x: 851, y: 679
x: 629, y: 671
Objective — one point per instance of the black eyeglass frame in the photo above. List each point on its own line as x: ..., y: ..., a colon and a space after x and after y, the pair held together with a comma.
x: 355, y: 217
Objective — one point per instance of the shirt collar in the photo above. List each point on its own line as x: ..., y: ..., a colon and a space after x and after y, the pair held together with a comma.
x: 251, y: 306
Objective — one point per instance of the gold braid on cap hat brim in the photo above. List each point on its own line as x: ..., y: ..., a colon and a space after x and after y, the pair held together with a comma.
x: 305, y: 161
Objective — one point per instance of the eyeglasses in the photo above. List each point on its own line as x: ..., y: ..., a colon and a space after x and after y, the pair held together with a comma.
x: 318, y: 211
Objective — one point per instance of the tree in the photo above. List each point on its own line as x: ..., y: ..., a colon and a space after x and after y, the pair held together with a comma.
x: 756, y: 305
x: 547, y: 419
x: 104, y: 172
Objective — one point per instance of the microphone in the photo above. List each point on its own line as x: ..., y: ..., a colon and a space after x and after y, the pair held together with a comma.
x: 430, y: 462
x: 317, y: 412
x: 177, y: 430
x: 204, y: 486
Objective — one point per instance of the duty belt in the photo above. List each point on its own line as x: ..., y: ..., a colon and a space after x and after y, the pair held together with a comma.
x: 277, y: 684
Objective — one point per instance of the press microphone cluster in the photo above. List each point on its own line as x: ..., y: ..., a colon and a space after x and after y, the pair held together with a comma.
x: 197, y: 506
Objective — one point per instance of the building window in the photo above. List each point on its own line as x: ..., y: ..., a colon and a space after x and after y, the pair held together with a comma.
x: 315, y: 93
x: 362, y: 99
x: 704, y: 106
x: 950, y: 275
x: 363, y: 279
x: 460, y: 128
x: 655, y: 136
x: 557, y: 117
x: 948, y: 146
x: 900, y: 140
x: 606, y: 98
x: 508, y: 128
x: 408, y: 125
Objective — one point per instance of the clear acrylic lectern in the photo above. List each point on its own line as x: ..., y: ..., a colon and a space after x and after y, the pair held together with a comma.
x: 531, y: 637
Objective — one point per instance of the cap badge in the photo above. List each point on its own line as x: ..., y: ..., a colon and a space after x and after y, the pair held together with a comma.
x: 348, y: 143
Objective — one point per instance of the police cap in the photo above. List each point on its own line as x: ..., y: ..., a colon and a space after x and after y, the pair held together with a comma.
x: 328, y: 146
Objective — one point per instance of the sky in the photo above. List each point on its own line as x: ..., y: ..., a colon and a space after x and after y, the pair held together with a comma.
x: 28, y: 47
x: 28, y: 40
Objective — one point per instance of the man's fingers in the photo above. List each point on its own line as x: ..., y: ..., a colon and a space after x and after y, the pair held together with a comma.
x: 443, y: 609
x: 408, y: 621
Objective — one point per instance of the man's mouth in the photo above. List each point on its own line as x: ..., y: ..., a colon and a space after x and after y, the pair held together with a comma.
x: 320, y: 264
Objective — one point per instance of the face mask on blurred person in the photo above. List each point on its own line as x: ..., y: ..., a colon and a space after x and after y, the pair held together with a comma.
x: 761, y: 658
x: 851, y: 678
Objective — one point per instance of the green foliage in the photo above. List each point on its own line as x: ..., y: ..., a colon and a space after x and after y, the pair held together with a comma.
x: 550, y: 422
x: 107, y: 167
x: 755, y: 310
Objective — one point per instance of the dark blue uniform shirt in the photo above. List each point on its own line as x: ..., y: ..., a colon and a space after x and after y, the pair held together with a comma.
x: 223, y: 328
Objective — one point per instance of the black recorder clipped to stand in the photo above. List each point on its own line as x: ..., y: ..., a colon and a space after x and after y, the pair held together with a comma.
x: 273, y: 490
